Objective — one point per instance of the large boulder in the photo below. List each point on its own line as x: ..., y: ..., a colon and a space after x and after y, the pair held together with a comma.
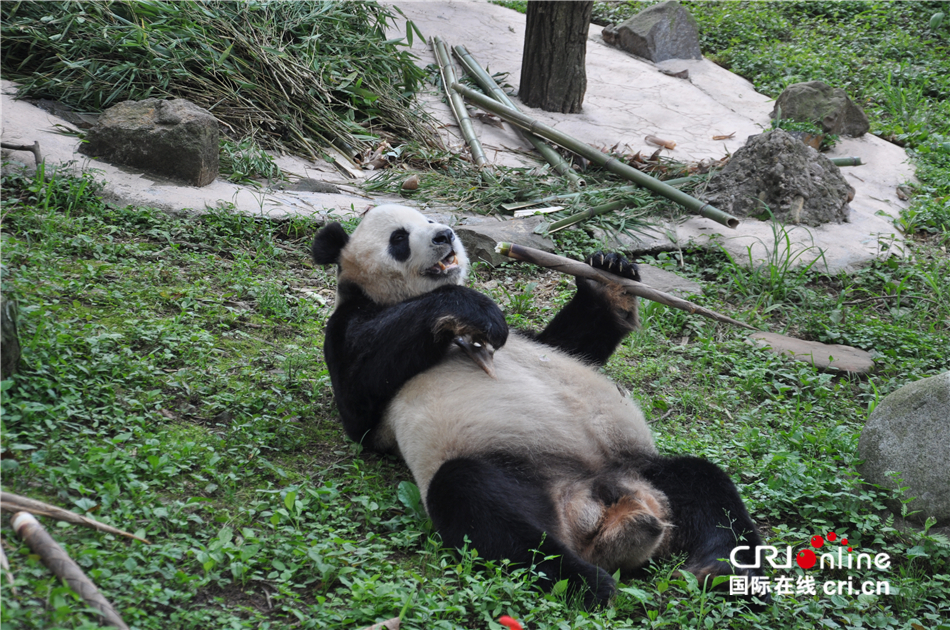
x: 175, y: 139
x: 819, y: 103
x: 663, y: 31
x: 908, y: 433
x: 777, y: 171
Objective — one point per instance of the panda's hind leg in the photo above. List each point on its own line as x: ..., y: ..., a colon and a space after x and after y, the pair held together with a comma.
x: 507, y: 514
x: 709, y: 518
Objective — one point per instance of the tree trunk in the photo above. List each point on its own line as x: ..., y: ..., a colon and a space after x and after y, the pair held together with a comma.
x: 10, y: 341
x: 553, y: 76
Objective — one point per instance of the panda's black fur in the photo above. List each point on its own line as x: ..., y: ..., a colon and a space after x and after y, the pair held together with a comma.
x: 547, y: 463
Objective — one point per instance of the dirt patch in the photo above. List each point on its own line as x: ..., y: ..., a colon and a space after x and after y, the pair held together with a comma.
x: 777, y: 172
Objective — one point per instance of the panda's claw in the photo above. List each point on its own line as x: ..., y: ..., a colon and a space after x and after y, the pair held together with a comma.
x: 616, y: 264
x: 481, y: 352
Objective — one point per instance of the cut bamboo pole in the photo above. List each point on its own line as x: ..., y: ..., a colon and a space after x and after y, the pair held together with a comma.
x: 586, y: 214
x: 583, y: 270
x: 487, y: 83
x: 10, y: 502
x: 620, y: 189
x: 455, y: 102
x: 602, y: 159
x: 847, y: 161
x: 59, y: 562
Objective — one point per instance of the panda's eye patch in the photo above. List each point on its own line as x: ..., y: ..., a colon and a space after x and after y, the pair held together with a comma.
x: 399, y: 245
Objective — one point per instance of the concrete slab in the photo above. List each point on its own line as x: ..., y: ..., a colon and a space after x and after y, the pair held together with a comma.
x: 821, y: 355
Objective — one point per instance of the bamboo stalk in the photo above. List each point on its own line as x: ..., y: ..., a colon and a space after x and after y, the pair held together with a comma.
x: 59, y: 562
x: 847, y: 161
x: 487, y: 83
x: 620, y: 189
x: 10, y: 502
x: 455, y: 102
x: 583, y: 270
x: 586, y: 214
x: 602, y: 159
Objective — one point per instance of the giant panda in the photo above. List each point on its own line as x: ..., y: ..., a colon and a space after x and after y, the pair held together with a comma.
x: 544, y: 462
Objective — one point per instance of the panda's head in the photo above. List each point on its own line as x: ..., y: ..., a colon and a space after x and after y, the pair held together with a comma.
x: 394, y: 254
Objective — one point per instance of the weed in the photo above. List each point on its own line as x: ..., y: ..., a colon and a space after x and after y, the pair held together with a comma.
x: 780, y: 276
x: 827, y: 141
x: 181, y: 393
x: 246, y: 162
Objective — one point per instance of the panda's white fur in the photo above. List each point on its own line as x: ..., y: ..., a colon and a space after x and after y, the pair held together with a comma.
x: 530, y: 409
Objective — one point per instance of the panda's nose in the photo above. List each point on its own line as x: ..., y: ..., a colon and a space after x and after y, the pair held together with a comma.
x: 443, y: 238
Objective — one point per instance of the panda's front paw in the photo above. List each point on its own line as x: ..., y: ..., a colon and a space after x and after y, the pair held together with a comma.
x: 487, y: 331
x: 616, y: 264
x: 477, y: 342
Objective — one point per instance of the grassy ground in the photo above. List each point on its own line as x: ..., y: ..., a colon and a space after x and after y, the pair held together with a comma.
x: 173, y: 385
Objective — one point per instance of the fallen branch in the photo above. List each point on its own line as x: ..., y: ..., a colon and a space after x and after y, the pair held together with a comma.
x: 35, y: 149
x: 617, y: 190
x: 583, y: 270
x: 666, y: 144
x: 6, y: 568
x: 847, y: 161
x: 63, y: 567
x: 10, y: 502
x: 389, y: 624
x: 590, y: 212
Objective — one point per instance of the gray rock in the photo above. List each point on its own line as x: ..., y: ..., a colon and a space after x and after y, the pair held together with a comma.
x: 659, y: 237
x: 663, y: 31
x: 175, y: 139
x: 909, y: 433
x: 668, y: 282
x: 307, y: 184
x: 480, y: 237
x: 776, y: 171
x: 819, y: 103
x: 823, y: 356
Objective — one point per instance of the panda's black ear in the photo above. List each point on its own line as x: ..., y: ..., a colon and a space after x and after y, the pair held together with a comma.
x: 328, y: 244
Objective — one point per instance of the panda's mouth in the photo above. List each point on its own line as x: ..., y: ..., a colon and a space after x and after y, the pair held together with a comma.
x: 444, y: 266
